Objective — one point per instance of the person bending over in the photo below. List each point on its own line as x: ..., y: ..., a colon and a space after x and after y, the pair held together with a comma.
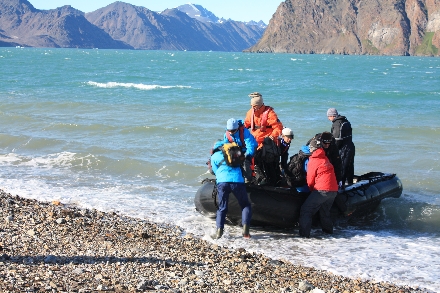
x: 229, y: 180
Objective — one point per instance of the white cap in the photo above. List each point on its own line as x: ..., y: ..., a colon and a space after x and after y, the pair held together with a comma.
x: 287, y: 132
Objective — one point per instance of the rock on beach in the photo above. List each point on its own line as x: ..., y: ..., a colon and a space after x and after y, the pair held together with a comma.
x: 52, y: 247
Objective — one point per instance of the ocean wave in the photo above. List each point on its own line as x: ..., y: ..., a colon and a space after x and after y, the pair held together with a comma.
x: 139, y: 86
x: 58, y: 160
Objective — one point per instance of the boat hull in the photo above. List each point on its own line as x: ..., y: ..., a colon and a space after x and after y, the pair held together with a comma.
x: 280, y: 207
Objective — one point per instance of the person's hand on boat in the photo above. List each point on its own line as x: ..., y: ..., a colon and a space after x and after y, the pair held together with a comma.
x: 341, y: 187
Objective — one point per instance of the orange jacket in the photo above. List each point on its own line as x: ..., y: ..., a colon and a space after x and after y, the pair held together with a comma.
x: 272, y: 128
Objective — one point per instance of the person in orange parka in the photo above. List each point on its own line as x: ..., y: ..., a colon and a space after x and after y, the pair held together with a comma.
x: 263, y: 122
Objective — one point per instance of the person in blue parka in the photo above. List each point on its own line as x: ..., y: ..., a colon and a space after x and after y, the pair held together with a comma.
x: 229, y: 180
x: 236, y: 132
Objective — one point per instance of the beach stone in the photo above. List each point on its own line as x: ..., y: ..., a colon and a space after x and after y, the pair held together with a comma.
x: 99, y: 251
x: 78, y: 271
x: 199, y: 273
x: 305, y: 286
x: 30, y: 232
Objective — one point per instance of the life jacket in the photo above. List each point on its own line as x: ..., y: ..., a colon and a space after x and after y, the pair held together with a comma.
x: 232, y: 154
x: 263, y: 121
x: 241, y: 132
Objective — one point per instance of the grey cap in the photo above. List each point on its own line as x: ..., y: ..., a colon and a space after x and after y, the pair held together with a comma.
x: 332, y: 112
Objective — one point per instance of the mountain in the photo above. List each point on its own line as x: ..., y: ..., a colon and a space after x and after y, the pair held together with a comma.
x: 171, y: 29
x: 119, y: 26
x: 65, y: 27
x: 379, y: 27
x: 201, y: 14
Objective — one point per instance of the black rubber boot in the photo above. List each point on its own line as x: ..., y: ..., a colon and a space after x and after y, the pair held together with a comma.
x: 218, y: 233
x: 246, y: 232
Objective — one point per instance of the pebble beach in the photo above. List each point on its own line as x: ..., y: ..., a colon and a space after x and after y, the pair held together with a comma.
x: 53, y: 247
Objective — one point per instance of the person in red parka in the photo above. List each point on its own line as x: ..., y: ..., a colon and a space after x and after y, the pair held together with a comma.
x: 322, y: 183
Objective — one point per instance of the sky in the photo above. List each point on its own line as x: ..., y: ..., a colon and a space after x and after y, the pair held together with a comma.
x: 239, y: 10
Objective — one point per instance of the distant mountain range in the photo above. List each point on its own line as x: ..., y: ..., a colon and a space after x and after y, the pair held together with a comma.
x: 123, y: 26
x: 352, y: 27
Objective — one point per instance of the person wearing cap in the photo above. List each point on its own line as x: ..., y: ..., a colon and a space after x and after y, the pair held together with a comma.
x: 328, y: 143
x: 322, y: 183
x: 229, y: 180
x: 236, y: 132
x: 284, y: 141
x: 263, y: 123
x: 342, y: 132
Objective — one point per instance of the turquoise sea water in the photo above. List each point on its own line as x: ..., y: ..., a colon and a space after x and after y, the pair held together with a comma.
x: 130, y: 131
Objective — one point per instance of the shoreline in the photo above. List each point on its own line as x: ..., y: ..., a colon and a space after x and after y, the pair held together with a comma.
x: 49, y: 246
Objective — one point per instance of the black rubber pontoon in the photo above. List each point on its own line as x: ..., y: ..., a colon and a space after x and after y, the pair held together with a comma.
x: 279, y: 207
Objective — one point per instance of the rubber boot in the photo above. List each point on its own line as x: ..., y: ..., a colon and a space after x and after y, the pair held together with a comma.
x: 218, y: 233
x: 246, y: 234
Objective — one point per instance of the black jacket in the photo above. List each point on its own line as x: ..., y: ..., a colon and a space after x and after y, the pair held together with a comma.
x: 342, y: 132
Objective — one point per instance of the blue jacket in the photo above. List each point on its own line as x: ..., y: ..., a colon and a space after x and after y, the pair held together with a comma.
x: 223, y: 172
x: 249, y: 140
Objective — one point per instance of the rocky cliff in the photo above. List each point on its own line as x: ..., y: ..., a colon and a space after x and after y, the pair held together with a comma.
x: 376, y: 27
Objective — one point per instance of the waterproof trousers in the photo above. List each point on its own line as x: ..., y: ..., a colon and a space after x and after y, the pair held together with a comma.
x: 347, y: 153
x: 318, y: 200
x: 239, y: 191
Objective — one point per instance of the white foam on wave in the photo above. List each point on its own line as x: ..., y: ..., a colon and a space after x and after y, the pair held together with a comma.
x: 60, y: 160
x: 139, y: 86
x: 369, y: 255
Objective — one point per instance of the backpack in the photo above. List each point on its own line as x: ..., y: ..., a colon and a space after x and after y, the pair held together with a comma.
x: 232, y: 154
x: 297, y: 175
x: 270, y: 151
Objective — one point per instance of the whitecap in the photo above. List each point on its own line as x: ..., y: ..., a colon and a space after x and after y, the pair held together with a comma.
x: 139, y: 86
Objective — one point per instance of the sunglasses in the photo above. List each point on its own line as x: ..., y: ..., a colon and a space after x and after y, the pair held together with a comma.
x: 232, y: 131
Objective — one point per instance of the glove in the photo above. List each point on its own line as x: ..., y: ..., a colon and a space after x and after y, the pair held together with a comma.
x: 341, y: 187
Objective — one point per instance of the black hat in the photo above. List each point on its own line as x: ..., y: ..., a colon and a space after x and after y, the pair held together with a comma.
x: 326, y: 137
x: 314, y: 145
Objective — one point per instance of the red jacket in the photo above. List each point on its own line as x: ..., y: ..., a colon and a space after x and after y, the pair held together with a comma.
x: 320, y: 172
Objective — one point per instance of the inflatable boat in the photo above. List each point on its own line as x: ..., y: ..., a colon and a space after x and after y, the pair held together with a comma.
x: 280, y: 206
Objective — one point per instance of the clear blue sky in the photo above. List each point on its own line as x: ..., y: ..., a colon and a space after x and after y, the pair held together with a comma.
x: 240, y: 10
